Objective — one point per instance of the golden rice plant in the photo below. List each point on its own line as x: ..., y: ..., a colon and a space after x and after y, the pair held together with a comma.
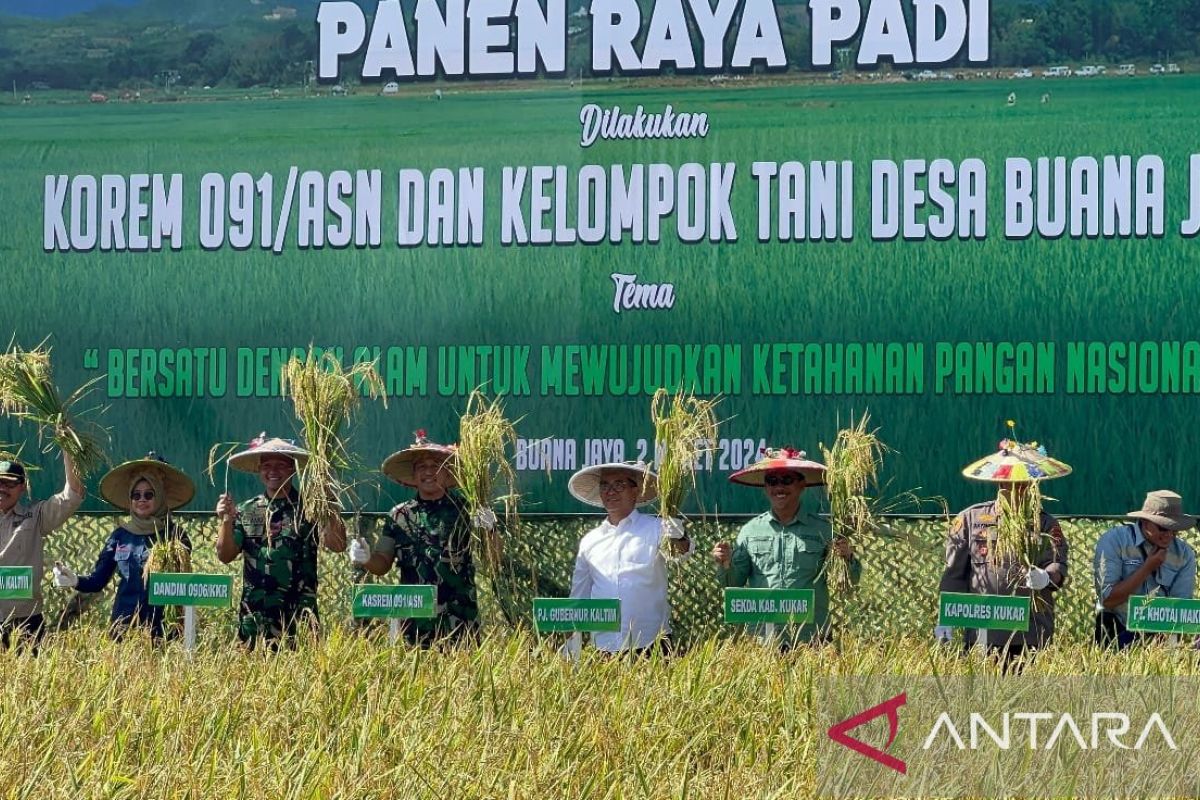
x: 325, y: 396
x: 28, y: 394
x: 1019, y: 537
x: 481, y: 463
x: 685, y: 428
x: 168, y: 555
x: 482, y: 467
x: 851, y: 483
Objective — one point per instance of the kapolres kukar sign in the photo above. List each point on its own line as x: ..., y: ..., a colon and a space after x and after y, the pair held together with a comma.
x: 811, y: 209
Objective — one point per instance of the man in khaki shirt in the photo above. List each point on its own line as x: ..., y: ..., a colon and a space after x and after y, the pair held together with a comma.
x: 23, y: 528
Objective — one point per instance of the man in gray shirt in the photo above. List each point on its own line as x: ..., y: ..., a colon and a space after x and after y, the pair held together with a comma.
x: 23, y: 528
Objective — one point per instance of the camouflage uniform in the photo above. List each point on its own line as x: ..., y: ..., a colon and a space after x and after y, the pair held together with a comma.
x: 279, y: 567
x: 431, y: 542
x: 969, y: 568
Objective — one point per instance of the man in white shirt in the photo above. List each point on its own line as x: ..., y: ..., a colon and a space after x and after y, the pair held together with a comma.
x: 622, y: 557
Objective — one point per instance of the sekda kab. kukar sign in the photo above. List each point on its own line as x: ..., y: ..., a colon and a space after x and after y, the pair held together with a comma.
x: 862, y: 206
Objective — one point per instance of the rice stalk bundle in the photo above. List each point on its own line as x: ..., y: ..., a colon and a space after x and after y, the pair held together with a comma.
x: 28, y: 394
x: 685, y: 428
x: 481, y: 463
x: 851, y: 484
x: 1019, y: 537
x: 325, y: 397
x: 168, y: 555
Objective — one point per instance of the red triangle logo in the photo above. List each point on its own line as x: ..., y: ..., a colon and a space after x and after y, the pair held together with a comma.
x: 888, y: 707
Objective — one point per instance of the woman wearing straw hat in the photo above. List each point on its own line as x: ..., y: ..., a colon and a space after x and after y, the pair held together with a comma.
x: 149, y: 489
x: 1142, y: 557
x: 975, y: 563
x: 428, y: 538
x: 622, y: 556
x: 277, y: 544
x: 786, y: 547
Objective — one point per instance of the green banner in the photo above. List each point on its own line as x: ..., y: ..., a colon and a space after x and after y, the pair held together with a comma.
x: 746, y: 606
x: 190, y: 589
x: 1163, y: 615
x: 394, y: 602
x: 16, y: 583
x: 996, y: 612
x: 807, y: 224
x: 555, y: 614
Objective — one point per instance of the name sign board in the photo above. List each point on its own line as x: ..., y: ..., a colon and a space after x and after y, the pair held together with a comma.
x: 407, y: 601
x: 190, y: 589
x: 556, y: 615
x: 16, y: 583
x: 775, y: 606
x: 1163, y: 615
x: 993, y: 612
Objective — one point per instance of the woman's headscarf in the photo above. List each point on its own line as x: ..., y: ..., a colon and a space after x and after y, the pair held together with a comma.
x: 158, y: 519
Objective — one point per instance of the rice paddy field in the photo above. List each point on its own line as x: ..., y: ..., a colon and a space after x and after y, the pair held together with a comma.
x: 350, y: 715
x: 97, y: 305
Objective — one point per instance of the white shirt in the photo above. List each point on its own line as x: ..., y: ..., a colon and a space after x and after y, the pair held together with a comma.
x: 624, y: 561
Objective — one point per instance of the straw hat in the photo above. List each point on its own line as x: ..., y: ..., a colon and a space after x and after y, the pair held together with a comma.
x: 781, y: 458
x: 178, y: 487
x: 1165, y: 509
x: 1015, y: 462
x: 247, y: 460
x: 399, y: 465
x: 584, y: 485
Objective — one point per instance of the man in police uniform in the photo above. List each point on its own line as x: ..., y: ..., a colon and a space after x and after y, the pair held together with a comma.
x: 972, y: 566
x: 1140, y: 558
x: 785, y: 548
x: 277, y: 544
x: 23, y: 528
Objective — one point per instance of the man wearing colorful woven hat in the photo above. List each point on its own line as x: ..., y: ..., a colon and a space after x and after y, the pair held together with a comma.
x: 277, y: 544
x: 785, y: 547
x: 149, y: 489
x: 623, y: 557
x: 23, y: 528
x: 1142, y: 557
x: 1009, y: 545
x: 428, y: 538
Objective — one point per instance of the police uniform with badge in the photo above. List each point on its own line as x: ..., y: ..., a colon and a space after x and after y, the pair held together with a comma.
x: 973, y: 565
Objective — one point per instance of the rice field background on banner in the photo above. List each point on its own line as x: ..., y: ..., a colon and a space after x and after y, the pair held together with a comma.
x: 897, y: 595
x: 990, y: 290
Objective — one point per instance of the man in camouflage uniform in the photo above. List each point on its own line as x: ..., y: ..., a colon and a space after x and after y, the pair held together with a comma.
x: 971, y: 564
x: 278, y: 546
x: 429, y: 541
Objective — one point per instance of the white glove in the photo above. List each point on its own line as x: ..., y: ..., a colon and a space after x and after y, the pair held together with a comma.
x: 672, y: 528
x: 484, y: 519
x: 1037, y: 579
x: 64, y: 577
x: 943, y: 633
x: 360, y: 553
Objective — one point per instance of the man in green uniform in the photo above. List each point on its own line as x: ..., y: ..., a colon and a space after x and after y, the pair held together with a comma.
x: 972, y: 564
x: 278, y: 546
x: 429, y: 541
x: 785, y: 548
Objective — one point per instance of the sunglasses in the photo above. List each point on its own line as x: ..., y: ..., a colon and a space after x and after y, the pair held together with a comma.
x: 615, y: 486
x: 780, y: 480
x: 141, y: 495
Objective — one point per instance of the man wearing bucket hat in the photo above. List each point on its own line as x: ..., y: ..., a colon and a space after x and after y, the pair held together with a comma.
x: 971, y: 562
x: 23, y: 528
x: 622, y: 557
x: 428, y: 538
x: 149, y: 489
x: 785, y: 547
x: 277, y: 544
x: 1142, y: 557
